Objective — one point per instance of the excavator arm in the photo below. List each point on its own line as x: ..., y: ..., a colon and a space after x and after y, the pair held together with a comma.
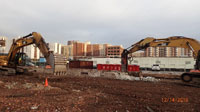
x: 176, y: 41
x: 33, y: 38
x: 142, y: 44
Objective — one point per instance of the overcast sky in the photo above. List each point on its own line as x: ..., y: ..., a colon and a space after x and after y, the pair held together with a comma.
x: 100, y: 21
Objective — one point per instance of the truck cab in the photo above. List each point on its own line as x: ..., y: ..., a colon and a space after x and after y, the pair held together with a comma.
x: 155, y: 67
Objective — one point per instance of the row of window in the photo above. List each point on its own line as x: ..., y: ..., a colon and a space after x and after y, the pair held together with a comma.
x: 113, y: 48
x: 113, y: 54
x: 113, y: 51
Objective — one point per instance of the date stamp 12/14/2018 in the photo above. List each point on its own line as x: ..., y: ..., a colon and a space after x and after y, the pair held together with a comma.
x: 175, y: 100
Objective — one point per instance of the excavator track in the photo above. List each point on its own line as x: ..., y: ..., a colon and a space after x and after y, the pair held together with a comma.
x: 7, y: 71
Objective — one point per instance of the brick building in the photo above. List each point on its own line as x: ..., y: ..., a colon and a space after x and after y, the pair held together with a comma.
x: 79, y: 48
x: 93, y: 50
x: 97, y: 50
x: 88, y: 50
x: 114, y: 51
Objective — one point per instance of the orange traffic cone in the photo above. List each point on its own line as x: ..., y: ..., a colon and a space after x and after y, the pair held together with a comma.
x: 46, y: 83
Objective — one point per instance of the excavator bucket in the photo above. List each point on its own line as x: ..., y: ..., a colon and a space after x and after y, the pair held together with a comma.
x: 60, y: 64
x: 57, y: 63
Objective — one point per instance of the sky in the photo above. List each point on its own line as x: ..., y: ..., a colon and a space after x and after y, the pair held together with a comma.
x: 118, y: 22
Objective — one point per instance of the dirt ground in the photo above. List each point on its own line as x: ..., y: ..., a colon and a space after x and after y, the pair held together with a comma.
x: 24, y: 93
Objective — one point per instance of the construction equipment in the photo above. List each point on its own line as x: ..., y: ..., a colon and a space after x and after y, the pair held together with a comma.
x: 175, y: 41
x: 14, y: 58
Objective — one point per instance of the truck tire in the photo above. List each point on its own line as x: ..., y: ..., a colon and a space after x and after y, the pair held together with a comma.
x: 186, y: 77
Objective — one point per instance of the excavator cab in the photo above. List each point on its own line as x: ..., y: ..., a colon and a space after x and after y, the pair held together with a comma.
x: 20, y: 59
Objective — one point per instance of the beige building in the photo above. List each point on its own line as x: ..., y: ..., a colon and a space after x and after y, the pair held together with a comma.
x: 138, y: 54
x: 32, y: 52
x: 103, y: 49
x: 2, y: 44
x: 5, y: 44
x: 167, y: 52
x: 67, y: 50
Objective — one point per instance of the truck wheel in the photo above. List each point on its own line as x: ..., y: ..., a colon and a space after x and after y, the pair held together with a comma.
x: 186, y: 77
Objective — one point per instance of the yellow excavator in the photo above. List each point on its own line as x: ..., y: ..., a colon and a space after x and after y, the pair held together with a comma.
x: 10, y: 63
x: 175, y: 41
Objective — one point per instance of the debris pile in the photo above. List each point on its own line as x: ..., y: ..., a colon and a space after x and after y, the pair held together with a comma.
x: 122, y: 76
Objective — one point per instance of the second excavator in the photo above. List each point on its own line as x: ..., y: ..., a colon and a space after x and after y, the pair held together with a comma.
x: 175, y: 41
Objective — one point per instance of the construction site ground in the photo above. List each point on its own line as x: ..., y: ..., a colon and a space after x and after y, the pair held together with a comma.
x: 22, y: 93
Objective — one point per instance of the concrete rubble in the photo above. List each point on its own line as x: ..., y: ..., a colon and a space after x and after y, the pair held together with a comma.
x: 111, y: 75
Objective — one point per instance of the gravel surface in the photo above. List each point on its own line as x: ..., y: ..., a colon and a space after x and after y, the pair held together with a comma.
x: 81, y: 93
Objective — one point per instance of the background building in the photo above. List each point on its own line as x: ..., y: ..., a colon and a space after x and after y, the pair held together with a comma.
x: 32, y: 52
x: 88, y: 50
x: 2, y: 44
x: 138, y: 54
x: 5, y: 44
x: 67, y: 50
x: 97, y: 50
x: 114, y: 51
x: 103, y: 49
x: 167, y: 52
x: 55, y: 47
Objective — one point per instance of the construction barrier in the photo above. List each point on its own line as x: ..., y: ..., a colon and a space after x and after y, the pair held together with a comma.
x: 116, y: 67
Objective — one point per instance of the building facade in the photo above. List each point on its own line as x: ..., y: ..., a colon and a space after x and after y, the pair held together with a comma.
x: 67, y: 50
x: 5, y: 44
x: 114, y: 51
x: 2, y: 44
x: 32, y: 52
x: 88, y: 50
x: 167, y: 52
